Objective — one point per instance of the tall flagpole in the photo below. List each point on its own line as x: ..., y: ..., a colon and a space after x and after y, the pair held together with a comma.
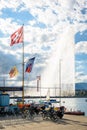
x: 18, y: 37
x: 40, y: 87
x: 23, y: 67
x: 60, y: 80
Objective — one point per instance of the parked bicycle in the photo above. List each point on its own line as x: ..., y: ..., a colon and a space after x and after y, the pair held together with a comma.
x: 49, y: 114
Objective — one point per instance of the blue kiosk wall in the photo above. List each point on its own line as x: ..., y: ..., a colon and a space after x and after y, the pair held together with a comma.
x: 4, y: 100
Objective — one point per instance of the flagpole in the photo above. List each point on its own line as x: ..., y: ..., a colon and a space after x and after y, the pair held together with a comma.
x: 18, y: 37
x: 23, y: 67
x: 40, y: 87
x: 60, y: 80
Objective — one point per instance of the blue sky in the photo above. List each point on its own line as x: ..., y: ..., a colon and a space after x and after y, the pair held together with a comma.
x: 43, y: 22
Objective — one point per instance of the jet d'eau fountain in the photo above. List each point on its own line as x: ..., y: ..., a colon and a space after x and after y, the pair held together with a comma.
x: 62, y: 58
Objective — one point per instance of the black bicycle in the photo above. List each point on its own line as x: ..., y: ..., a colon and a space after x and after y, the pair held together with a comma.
x: 49, y: 114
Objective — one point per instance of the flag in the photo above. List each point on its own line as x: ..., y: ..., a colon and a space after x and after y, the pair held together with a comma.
x: 13, y: 72
x: 38, y: 82
x: 29, y: 65
x: 38, y: 77
x: 17, y: 37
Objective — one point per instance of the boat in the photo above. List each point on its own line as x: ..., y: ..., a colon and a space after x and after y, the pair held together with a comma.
x: 74, y: 113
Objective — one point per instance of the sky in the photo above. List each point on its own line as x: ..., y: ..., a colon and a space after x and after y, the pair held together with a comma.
x: 44, y: 21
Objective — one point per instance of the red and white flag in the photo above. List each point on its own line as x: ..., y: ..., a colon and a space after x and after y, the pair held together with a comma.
x: 17, y: 37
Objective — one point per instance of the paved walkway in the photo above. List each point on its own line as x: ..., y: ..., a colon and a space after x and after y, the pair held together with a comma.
x: 69, y: 122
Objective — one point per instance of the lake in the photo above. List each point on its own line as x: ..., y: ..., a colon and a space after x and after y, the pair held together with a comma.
x: 75, y: 104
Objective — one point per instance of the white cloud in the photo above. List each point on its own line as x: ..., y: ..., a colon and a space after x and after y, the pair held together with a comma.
x: 9, y: 4
x: 80, y: 77
x: 79, y: 27
x: 81, y: 47
x: 52, y: 13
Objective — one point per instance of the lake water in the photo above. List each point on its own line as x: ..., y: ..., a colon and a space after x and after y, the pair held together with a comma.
x: 70, y: 103
x: 75, y: 104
